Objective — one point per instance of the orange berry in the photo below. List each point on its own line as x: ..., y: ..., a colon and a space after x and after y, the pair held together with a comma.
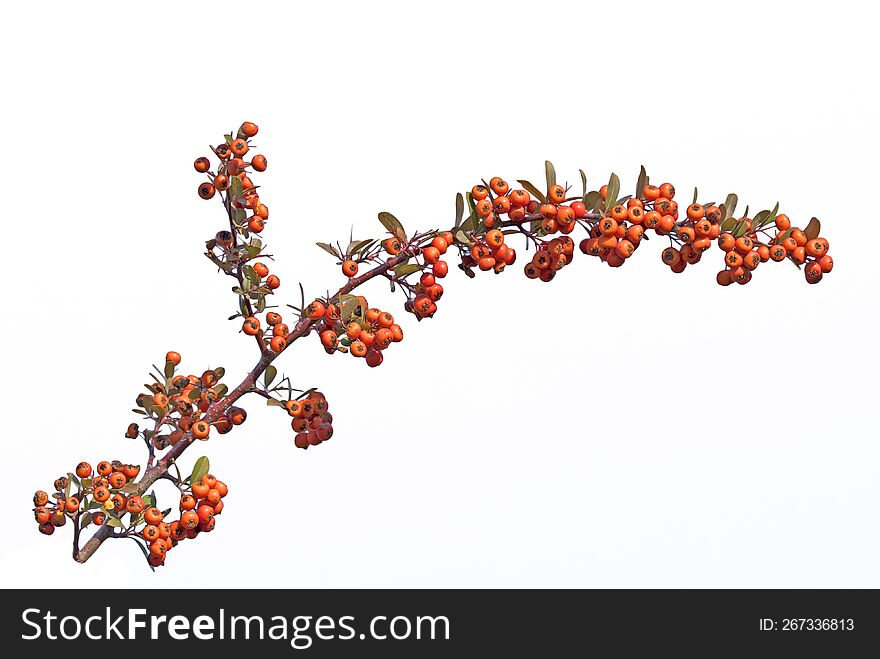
x: 499, y: 186
x: 479, y: 192
x: 249, y: 129
x: 201, y: 429
x: 667, y: 190
x: 206, y: 190
x: 251, y: 326
x: 315, y: 310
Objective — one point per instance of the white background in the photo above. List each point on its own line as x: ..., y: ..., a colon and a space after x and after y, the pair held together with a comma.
x: 616, y: 428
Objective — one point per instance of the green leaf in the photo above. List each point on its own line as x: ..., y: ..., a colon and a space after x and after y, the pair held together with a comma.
x: 236, y: 187
x: 550, y: 173
x: 200, y: 468
x: 740, y: 228
x: 612, y: 192
x: 347, y: 304
x: 239, y: 216
x: 115, y: 521
x: 696, y: 194
x: 250, y: 274
x: 129, y: 488
x: 270, y: 375
x: 194, y: 394
x: 641, y: 182
x: 537, y: 194
x: 85, y: 520
x: 357, y: 245
x: 730, y: 205
x: 593, y: 200
x: 459, y: 209
x: 814, y: 227
x: 765, y: 217
x: 469, y: 224
x: 583, y: 182
x: 461, y: 237
x: 330, y: 250
x: 393, y: 225
x: 728, y: 223
x: 404, y: 269
x: 221, y: 390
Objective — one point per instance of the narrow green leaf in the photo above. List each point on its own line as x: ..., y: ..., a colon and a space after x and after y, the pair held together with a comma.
x: 730, y: 205
x: 612, y: 192
x: 404, y: 269
x: 641, y: 182
x: 765, y: 217
x: 236, y: 187
x: 696, y: 194
x: 269, y: 375
x: 550, y: 172
x: 169, y: 369
x: 740, y: 228
x: 330, y: 250
x: 583, y: 182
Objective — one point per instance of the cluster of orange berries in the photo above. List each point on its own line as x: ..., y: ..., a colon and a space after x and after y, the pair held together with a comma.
x: 277, y: 340
x: 366, y: 334
x: 428, y: 291
x: 199, y: 505
x: 99, y: 498
x: 103, y: 487
x: 744, y: 254
x: 489, y: 252
x: 554, y: 255
x: 616, y: 236
x: 181, y: 403
x: 312, y: 421
x: 233, y: 166
x: 498, y: 199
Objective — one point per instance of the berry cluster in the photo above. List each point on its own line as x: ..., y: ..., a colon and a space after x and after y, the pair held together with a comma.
x: 277, y: 340
x: 361, y: 330
x: 742, y: 255
x: 107, y: 495
x: 312, y: 420
x: 86, y: 496
x: 179, y: 404
x: 232, y: 175
x: 489, y: 252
